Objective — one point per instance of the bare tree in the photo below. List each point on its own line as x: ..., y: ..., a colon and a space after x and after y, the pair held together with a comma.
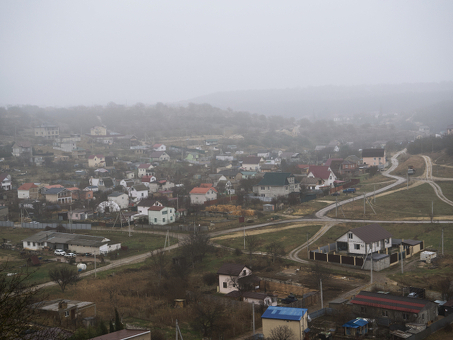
x: 275, y: 249
x: 63, y: 276
x: 16, y: 305
x: 281, y: 333
x: 209, y: 316
x: 252, y: 242
x: 159, y: 262
x: 195, y: 246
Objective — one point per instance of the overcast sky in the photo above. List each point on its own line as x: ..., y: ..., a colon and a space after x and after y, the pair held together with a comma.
x: 93, y: 52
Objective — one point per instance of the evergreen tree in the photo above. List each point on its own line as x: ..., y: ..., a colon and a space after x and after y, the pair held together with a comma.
x: 118, y: 324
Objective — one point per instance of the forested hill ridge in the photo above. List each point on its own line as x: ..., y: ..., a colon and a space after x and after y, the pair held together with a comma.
x: 325, y: 102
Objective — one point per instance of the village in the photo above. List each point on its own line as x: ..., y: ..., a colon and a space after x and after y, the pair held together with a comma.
x: 157, y: 237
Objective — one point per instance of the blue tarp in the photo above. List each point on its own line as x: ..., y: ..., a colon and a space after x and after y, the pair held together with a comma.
x: 355, y: 323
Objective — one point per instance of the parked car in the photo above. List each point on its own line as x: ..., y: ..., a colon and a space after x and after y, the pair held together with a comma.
x: 87, y: 254
x: 59, y: 252
x: 70, y: 255
x: 336, y: 194
x: 349, y: 190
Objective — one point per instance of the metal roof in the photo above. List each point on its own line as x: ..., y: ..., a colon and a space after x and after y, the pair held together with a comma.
x: 371, y: 233
x: 355, y: 323
x: 392, y: 302
x: 74, y: 239
x: 284, y: 313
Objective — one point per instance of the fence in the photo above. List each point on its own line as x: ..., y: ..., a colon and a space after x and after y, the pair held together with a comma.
x: 6, y: 224
x: 335, y: 258
x: 346, y: 185
x: 435, y: 326
x: 223, y: 200
x: 74, y: 226
x: 175, y: 227
x: 321, y: 312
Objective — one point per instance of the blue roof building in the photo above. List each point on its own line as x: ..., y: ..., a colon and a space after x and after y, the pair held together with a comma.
x: 295, y: 318
x: 356, y: 327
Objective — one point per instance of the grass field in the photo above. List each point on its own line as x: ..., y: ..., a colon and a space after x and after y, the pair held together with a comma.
x: 290, y: 237
x: 406, y: 160
x: 447, y: 189
x: 442, y: 171
x: 414, y: 203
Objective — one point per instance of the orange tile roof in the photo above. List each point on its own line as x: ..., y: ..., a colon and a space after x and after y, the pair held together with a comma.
x: 198, y: 190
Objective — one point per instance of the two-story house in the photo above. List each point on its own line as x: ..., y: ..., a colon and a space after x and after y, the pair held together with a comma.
x: 229, y: 276
x: 252, y: 163
x: 47, y: 131
x: 199, y: 195
x: 159, y: 156
x: 22, y: 148
x: 374, y: 157
x: 145, y: 169
x: 144, y: 205
x: 324, y: 174
x: 159, y: 147
x: 139, y: 192
x: 276, y: 184
x: 119, y: 198
x: 58, y: 195
x: 161, y: 215
x: 95, y: 161
x: 364, y: 240
x: 5, y: 181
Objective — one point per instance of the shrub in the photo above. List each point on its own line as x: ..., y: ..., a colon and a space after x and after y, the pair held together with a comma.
x: 210, y: 279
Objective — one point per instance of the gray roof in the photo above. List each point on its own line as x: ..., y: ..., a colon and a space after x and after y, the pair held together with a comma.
x: 140, y: 187
x: 116, y: 194
x: 54, y: 191
x: 74, y: 239
x: 231, y: 269
x: 371, y: 233
x: 373, y: 153
x: 276, y: 178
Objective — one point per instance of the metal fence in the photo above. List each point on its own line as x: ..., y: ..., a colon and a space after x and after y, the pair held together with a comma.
x: 6, y: 224
x: 321, y: 312
x: 74, y: 226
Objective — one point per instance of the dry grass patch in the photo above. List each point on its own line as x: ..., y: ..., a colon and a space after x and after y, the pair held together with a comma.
x: 406, y: 160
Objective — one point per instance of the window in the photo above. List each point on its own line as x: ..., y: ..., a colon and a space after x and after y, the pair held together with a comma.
x: 385, y: 313
x: 244, y: 272
x: 34, y: 244
x: 374, y: 158
x: 263, y: 188
x: 28, y: 243
x: 405, y: 316
x: 357, y: 246
x: 155, y: 220
x: 163, y: 220
x: 350, y: 236
x: 66, y: 314
x: 224, y: 285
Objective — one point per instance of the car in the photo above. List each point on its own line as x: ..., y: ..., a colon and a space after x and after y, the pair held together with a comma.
x: 59, y: 252
x: 70, y: 255
x: 349, y: 190
x: 87, y: 254
x: 336, y: 194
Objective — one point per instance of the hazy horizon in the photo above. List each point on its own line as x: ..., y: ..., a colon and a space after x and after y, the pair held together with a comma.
x: 61, y: 53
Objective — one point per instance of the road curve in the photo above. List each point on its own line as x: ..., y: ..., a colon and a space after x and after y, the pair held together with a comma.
x: 429, y: 179
x: 321, y: 213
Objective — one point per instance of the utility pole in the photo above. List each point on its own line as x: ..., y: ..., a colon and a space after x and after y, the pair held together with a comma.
x: 244, y: 236
x: 432, y: 210
x: 308, y: 252
x: 442, y: 241
x: 407, y: 176
x: 95, y: 264
x: 253, y: 317
x: 374, y: 194
x: 336, y: 207
x: 320, y: 288
x: 364, y: 208
x: 371, y: 255
x: 402, y: 264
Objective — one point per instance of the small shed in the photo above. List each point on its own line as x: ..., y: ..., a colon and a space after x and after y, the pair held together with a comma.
x: 268, y: 207
x: 356, y: 327
x: 427, y: 256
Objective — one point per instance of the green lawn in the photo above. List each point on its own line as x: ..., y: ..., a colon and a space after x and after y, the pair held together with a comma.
x: 442, y: 171
x: 289, y: 238
x: 406, y: 204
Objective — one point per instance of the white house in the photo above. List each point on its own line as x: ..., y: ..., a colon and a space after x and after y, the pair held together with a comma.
x: 75, y: 243
x: 161, y: 215
x: 263, y: 154
x: 95, y: 161
x: 144, y: 205
x: 368, y: 239
x: 229, y: 274
x: 145, y: 170
x: 251, y: 163
x: 119, y: 198
x: 199, y: 195
x: 28, y: 190
x: 224, y: 157
x: 5, y: 181
x: 323, y: 174
x: 139, y: 192
x: 159, y: 147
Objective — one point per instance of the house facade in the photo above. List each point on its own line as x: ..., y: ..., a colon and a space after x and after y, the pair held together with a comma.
x: 98, y: 131
x: 324, y: 174
x: 145, y: 170
x: 159, y: 147
x: 58, y: 195
x: 47, y: 131
x: 229, y: 274
x: 139, y: 192
x: 251, y: 163
x: 364, y: 240
x: 22, y: 148
x: 294, y: 318
x: 5, y: 181
x: 276, y: 184
x: 119, y: 198
x: 374, y: 157
x: 199, y: 195
x: 144, y: 205
x: 65, y: 313
x: 161, y: 215
x: 95, y: 161
x: 159, y: 156
x: 28, y: 190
